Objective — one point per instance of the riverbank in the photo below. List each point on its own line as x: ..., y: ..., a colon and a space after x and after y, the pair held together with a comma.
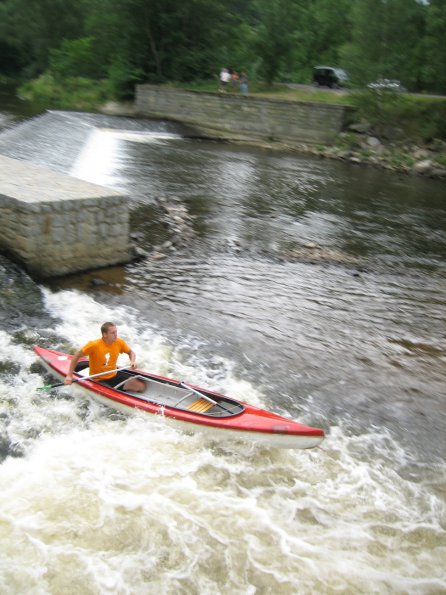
x: 358, y: 145
x: 401, y: 157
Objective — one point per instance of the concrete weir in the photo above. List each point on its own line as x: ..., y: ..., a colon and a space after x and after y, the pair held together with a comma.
x: 55, y: 224
x: 244, y: 117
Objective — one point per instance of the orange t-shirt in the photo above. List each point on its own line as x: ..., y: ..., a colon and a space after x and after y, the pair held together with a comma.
x: 103, y: 357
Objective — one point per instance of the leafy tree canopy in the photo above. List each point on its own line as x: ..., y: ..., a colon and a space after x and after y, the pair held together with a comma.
x: 183, y: 40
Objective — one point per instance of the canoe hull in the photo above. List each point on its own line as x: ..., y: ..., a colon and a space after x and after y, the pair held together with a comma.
x: 253, y: 424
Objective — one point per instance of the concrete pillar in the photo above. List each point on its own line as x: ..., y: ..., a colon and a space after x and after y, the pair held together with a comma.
x: 55, y: 224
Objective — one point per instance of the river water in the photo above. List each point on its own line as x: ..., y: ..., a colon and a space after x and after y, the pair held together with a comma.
x: 313, y: 288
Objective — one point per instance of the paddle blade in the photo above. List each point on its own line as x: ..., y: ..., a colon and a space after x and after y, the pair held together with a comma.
x: 50, y: 386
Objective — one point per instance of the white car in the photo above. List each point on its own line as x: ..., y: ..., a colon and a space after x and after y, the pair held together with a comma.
x: 387, y: 85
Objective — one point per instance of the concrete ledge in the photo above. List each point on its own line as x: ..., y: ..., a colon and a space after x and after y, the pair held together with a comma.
x: 55, y: 224
x: 244, y: 117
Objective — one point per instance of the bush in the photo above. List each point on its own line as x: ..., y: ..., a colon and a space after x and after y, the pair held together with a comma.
x: 71, y: 93
x: 40, y: 90
x: 421, y: 118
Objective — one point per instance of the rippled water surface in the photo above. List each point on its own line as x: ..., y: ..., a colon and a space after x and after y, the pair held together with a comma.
x: 309, y: 287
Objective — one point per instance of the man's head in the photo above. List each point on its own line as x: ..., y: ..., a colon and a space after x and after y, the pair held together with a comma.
x: 109, y: 332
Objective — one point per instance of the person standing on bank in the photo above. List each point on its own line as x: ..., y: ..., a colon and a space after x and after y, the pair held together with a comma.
x: 103, y: 354
x: 244, y: 83
x: 225, y: 77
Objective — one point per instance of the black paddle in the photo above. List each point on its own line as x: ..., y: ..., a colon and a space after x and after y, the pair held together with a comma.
x: 50, y: 386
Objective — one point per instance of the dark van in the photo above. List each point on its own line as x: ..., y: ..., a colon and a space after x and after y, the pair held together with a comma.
x: 328, y: 76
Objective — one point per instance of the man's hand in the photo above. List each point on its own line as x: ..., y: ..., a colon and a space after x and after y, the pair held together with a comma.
x: 69, y: 377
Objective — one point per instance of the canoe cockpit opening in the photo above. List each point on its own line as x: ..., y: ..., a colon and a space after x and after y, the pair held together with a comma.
x: 166, y: 394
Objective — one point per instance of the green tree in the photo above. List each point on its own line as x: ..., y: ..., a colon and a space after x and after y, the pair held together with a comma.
x: 324, y: 28
x: 33, y: 27
x: 74, y: 58
x: 329, y: 28
x: 161, y: 40
x: 386, y: 40
x: 434, y: 70
x: 276, y: 35
x: 183, y: 40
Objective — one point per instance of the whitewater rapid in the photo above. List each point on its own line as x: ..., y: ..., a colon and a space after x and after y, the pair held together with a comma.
x: 102, y: 503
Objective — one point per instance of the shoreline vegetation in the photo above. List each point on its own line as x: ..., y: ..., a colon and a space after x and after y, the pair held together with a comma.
x: 400, y: 132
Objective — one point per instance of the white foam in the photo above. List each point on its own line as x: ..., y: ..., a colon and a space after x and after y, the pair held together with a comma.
x: 95, y: 162
x: 128, y: 505
x: 99, y: 158
x: 140, y: 136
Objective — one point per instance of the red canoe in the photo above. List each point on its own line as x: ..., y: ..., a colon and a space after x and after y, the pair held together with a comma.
x: 189, y: 407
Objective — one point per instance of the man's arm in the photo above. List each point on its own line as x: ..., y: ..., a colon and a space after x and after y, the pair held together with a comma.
x: 132, y: 357
x: 76, y: 358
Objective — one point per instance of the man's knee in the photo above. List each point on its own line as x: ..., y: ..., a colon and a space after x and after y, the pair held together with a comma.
x: 135, y: 385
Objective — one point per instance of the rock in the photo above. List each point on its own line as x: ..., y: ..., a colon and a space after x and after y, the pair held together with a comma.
x: 423, y: 167
x: 97, y: 282
x: 138, y: 252
x: 393, y: 133
x: 437, y: 145
x: 118, y: 109
x: 421, y: 154
x: 373, y: 142
x: 438, y: 171
x: 361, y: 127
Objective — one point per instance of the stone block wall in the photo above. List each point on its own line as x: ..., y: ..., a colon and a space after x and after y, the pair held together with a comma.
x: 56, y: 224
x: 244, y: 117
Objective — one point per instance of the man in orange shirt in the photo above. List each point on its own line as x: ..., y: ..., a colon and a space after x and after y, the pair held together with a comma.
x: 103, y: 354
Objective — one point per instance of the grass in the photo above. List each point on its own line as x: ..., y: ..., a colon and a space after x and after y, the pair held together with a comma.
x: 278, y: 91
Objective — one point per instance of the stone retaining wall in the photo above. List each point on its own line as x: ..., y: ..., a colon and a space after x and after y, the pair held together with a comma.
x: 244, y: 117
x: 56, y: 224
